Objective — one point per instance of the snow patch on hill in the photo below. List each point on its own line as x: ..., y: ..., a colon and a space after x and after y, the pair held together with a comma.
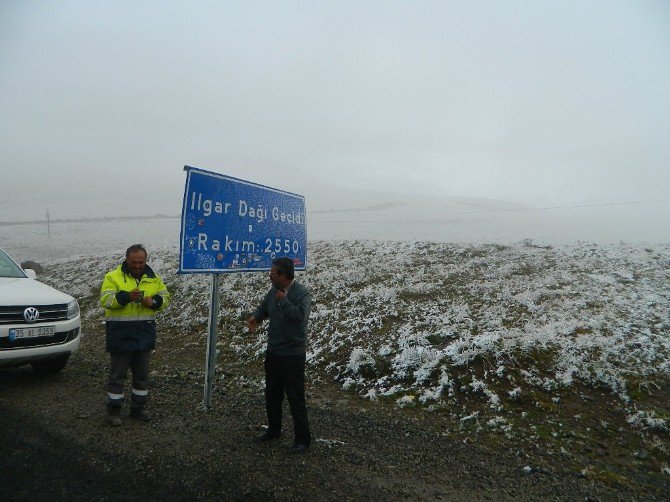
x: 419, y: 323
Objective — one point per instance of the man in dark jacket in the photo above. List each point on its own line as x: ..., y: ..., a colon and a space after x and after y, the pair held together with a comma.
x: 131, y: 295
x: 286, y: 304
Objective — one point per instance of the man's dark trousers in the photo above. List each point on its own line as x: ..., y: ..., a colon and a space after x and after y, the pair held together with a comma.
x: 286, y: 374
x: 138, y: 362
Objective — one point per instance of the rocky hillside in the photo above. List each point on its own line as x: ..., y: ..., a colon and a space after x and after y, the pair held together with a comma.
x: 560, y: 348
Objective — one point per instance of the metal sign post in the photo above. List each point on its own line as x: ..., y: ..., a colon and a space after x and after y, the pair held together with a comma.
x: 230, y: 225
x: 210, y: 363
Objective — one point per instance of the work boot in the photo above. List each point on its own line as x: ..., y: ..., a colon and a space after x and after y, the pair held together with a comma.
x: 114, y: 415
x: 266, y: 437
x: 139, y: 414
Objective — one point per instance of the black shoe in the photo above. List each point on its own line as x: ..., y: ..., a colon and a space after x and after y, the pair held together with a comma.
x: 114, y: 420
x: 266, y: 437
x: 140, y: 415
x: 114, y: 415
x: 298, y: 448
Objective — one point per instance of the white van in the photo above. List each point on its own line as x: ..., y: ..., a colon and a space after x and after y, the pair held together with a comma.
x: 39, y: 325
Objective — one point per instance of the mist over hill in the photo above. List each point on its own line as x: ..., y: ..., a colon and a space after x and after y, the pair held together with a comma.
x: 335, y: 213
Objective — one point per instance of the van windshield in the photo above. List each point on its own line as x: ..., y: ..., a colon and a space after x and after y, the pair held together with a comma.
x: 8, y: 268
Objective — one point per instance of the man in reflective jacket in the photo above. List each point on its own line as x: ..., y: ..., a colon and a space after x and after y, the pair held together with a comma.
x: 131, y: 295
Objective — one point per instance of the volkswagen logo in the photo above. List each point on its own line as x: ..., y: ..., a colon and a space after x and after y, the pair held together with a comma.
x: 31, y: 314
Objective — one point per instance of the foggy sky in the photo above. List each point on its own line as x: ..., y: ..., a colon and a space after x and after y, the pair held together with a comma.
x: 532, y: 102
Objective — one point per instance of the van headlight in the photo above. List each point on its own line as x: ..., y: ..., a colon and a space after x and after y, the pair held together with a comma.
x: 72, y: 309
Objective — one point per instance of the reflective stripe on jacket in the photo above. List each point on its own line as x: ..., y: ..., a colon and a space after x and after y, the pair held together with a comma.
x: 129, y: 325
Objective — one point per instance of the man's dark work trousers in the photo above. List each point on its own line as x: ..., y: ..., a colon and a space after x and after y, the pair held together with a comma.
x: 286, y: 374
x: 138, y: 362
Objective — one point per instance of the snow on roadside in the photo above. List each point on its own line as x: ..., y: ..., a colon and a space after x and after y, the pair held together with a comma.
x: 407, y: 320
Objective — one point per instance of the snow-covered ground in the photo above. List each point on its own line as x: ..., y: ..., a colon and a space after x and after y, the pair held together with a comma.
x: 415, y: 319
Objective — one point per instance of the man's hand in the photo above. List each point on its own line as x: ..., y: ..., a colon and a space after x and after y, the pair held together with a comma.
x: 135, y: 295
x: 148, y: 301
x: 252, y: 324
x: 280, y: 295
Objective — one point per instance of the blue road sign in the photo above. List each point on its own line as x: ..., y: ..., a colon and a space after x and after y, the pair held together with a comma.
x: 232, y: 225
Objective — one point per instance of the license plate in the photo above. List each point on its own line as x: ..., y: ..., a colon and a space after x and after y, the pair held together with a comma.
x: 32, y: 332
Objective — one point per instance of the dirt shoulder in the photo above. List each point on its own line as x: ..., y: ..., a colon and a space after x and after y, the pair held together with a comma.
x: 55, y: 444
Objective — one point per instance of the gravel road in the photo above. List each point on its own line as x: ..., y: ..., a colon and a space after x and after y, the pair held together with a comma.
x: 56, y: 446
